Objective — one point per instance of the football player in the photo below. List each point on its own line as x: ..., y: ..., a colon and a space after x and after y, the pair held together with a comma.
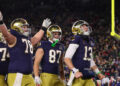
x: 4, y: 60
x: 20, y: 47
x: 50, y: 57
x: 78, y: 56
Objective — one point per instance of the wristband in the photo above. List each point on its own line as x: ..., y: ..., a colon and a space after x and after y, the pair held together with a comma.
x: 74, y: 70
x: 44, y: 29
x: 97, y: 71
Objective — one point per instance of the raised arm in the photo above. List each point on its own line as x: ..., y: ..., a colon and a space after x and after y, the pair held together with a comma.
x: 38, y: 36
x: 11, y: 40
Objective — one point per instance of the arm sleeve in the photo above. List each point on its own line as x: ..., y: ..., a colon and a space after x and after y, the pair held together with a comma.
x: 71, y: 50
x: 92, y: 63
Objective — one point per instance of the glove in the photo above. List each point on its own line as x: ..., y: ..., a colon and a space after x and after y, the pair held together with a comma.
x: 46, y: 23
x: 1, y: 16
x: 37, y: 80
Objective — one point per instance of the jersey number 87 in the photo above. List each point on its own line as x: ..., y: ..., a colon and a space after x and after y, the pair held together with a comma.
x: 53, y: 54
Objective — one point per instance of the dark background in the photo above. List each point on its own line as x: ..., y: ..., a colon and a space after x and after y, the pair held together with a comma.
x: 37, y: 10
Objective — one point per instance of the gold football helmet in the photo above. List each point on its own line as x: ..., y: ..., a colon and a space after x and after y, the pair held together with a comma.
x: 78, y: 30
x: 52, y: 29
x: 21, y: 26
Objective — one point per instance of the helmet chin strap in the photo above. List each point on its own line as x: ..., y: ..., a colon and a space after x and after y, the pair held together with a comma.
x: 54, y: 39
x: 86, y: 33
x: 26, y: 34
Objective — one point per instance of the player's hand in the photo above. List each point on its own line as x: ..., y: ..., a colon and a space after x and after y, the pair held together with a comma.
x: 78, y: 74
x: 37, y: 80
x: 46, y: 23
x: 105, y: 80
x: 1, y: 16
x: 101, y: 76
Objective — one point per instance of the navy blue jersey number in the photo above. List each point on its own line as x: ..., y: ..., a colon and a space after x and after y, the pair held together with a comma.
x: 29, y: 46
x: 88, y: 53
x: 53, y: 54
